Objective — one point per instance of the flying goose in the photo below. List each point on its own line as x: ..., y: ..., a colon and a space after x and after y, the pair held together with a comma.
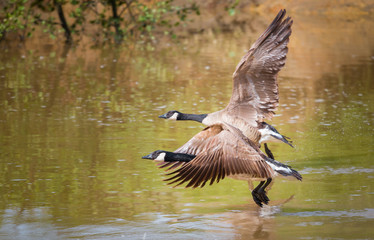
x: 255, y: 94
x: 218, y: 151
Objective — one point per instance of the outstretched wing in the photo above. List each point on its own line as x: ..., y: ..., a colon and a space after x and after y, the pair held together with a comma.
x: 255, y: 88
x: 221, y: 150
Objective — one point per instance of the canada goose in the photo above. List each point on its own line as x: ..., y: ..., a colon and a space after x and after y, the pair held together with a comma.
x: 221, y: 150
x: 255, y: 94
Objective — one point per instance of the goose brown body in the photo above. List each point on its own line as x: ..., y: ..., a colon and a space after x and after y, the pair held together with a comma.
x: 243, y: 125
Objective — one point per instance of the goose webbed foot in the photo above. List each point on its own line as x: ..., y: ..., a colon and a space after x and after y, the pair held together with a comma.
x: 260, y: 197
x: 257, y: 198
x: 264, y: 197
x: 259, y: 193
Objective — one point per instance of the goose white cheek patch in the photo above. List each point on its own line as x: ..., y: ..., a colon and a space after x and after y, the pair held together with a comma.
x: 161, y: 157
x: 174, y: 117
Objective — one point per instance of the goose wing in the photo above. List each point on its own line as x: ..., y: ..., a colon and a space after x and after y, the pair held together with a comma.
x: 255, y: 88
x: 221, y: 150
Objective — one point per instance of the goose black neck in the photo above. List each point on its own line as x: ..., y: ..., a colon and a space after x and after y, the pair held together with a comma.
x: 178, y: 157
x: 192, y: 117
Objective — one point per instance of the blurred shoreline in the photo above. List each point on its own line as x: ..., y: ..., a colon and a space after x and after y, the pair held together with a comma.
x: 248, y: 16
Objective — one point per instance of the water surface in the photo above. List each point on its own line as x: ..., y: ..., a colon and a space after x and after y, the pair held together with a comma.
x: 74, y: 123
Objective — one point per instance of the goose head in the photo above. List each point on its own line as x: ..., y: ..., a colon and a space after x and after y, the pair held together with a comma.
x: 158, y: 155
x: 270, y: 134
x: 165, y: 156
x: 173, y: 115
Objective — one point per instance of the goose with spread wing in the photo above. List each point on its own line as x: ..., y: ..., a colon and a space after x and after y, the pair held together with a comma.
x: 218, y: 151
x: 255, y: 94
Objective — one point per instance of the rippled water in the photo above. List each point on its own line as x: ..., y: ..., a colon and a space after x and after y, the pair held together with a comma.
x: 75, y: 122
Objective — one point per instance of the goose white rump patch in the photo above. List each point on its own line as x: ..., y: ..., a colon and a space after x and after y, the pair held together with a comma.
x: 279, y: 168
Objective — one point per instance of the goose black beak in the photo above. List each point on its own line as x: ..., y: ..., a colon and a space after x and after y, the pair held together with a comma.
x: 148, y: 156
x: 163, y: 116
x: 283, y: 139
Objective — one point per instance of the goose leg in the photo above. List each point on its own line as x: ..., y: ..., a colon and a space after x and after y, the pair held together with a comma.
x: 250, y: 185
x: 268, y: 152
x: 256, y: 195
x: 259, y: 193
x: 262, y: 192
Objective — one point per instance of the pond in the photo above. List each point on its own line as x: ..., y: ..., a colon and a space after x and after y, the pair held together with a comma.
x: 75, y: 122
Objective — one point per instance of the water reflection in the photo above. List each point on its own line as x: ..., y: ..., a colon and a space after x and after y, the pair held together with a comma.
x: 74, y: 123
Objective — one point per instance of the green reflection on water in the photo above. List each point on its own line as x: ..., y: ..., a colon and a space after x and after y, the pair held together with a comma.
x: 75, y: 122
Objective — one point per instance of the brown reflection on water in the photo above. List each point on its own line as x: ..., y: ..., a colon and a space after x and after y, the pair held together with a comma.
x: 75, y: 121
